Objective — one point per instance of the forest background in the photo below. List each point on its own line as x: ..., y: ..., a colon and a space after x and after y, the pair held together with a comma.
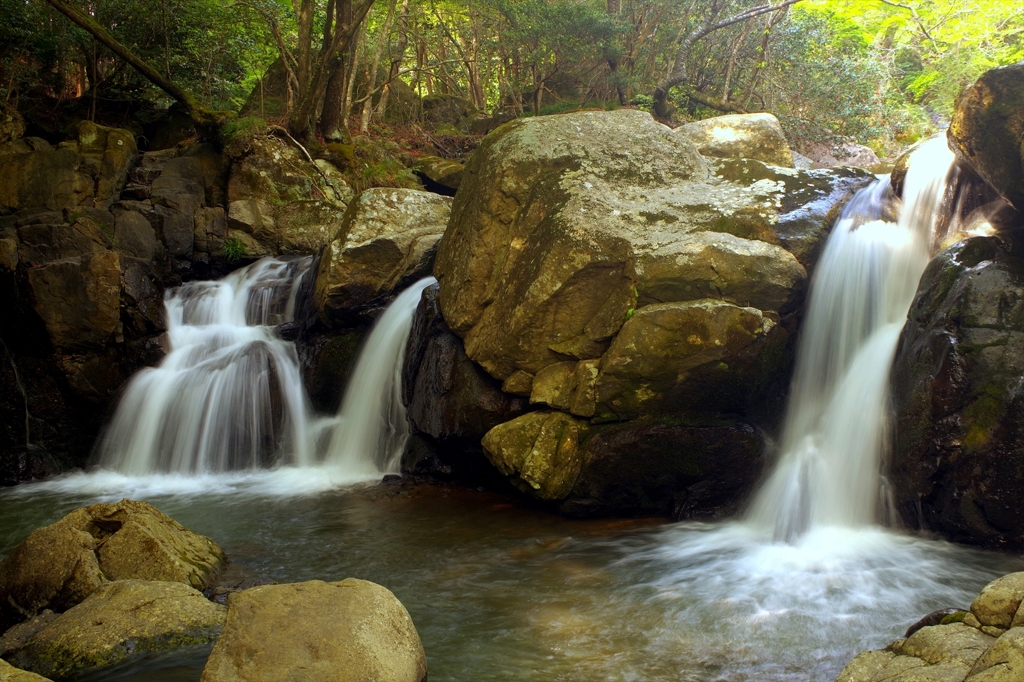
x: 880, y: 72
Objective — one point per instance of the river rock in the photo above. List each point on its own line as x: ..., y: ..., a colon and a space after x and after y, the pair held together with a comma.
x: 667, y: 467
x: 958, y: 454
x: 840, y: 153
x: 386, y: 241
x: 741, y: 136
x: 351, y: 630
x: 540, y: 452
x: 59, y: 565
x: 987, y: 127
x: 8, y: 673
x: 955, y: 651
x: 119, y: 620
x: 566, y: 224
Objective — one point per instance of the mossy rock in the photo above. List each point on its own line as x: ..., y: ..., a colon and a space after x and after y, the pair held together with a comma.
x: 120, y: 620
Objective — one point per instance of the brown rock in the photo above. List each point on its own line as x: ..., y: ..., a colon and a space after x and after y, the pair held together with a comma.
x: 78, y: 300
x: 348, y: 631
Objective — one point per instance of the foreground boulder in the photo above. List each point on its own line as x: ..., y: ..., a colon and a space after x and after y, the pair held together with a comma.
x: 985, y: 644
x: 958, y: 456
x: 987, y: 128
x: 347, y: 631
x: 740, y: 136
x: 120, y: 619
x: 59, y: 565
x: 386, y: 241
x: 599, y: 265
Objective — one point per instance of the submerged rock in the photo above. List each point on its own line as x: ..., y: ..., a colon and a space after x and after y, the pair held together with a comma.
x: 59, y: 565
x: 348, y: 631
x: 386, y: 241
x: 958, y: 455
x: 740, y: 136
x: 119, y: 620
x: 987, y: 128
x: 960, y: 648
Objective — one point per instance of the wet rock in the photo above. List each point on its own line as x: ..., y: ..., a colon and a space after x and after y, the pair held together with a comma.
x: 958, y: 453
x: 351, y: 630
x: 742, y: 136
x: 539, y: 452
x: 78, y: 300
x: 957, y: 647
x: 999, y: 603
x: 59, y: 565
x: 449, y: 398
x: 386, y: 241
x: 119, y: 620
x: 987, y: 128
x: 704, y: 355
x: 667, y: 467
x: 8, y: 673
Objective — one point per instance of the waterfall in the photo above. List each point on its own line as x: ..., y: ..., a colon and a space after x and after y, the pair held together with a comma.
x: 835, y: 428
x: 228, y: 394
x: 372, y: 417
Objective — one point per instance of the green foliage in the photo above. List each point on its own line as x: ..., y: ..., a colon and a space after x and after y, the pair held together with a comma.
x: 233, y: 248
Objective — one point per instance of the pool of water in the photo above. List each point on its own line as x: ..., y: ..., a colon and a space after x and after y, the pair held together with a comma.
x: 499, y: 590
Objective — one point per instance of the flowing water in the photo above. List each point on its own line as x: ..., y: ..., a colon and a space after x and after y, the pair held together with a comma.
x: 499, y: 590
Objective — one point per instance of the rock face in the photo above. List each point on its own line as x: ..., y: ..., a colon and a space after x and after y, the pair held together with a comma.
x: 120, y: 619
x: 89, y: 170
x: 385, y: 242
x: 983, y: 645
x: 740, y: 136
x: 598, y: 264
x: 958, y: 456
x: 351, y: 630
x: 987, y: 129
x: 60, y: 565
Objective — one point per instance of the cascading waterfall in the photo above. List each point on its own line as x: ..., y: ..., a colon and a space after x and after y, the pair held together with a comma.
x: 372, y: 419
x: 835, y: 426
x: 228, y: 395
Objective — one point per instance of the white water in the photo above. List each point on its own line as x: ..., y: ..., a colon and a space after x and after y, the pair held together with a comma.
x: 210, y: 404
x: 372, y: 417
x: 835, y: 427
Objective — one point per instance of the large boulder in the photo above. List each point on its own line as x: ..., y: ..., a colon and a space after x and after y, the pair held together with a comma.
x: 346, y: 631
x: 985, y: 644
x: 740, y: 136
x: 958, y: 456
x: 385, y: 242
x: 839, y: 153
x: 987, y: 130
x: 119, y: 620
x: 566, y: 225
x: 59, y: 565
